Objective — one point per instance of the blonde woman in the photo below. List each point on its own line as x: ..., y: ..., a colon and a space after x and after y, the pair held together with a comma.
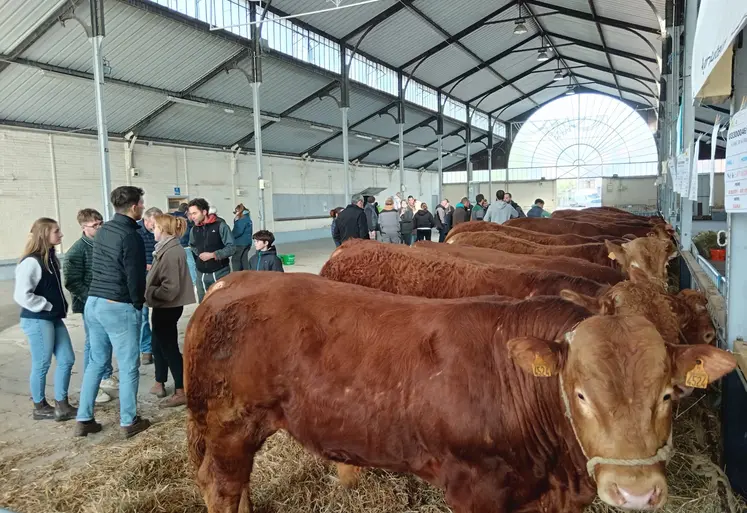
x: 38, y: 291
x: 168, y: 290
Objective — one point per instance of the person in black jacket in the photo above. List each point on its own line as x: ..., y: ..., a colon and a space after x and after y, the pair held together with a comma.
x: 351, y: 222
x: 423, y: 223
x: 212, y: 243
x: 114, y: 312
x: 266, y: 257
x: 508, y: 198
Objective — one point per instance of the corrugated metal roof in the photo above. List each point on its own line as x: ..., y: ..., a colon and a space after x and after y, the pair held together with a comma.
x: 636, y: 68
x: 445, y: 65
x: 337, y: 23
x: 455, y: 16
x: 19, y: 18
x: 356, y: 147
x: 282, y: 138
x: 385, y: 155
x: 622, y: 39
x: 141, y: 47
x: 400, y: 38
x: 561, y: 24
x: 326, y: 112
x: 475, y: 85
x: 421, y: 158
x: 30, y: 96
x: 631, y: 11
x: 421, y: 136
x: 452, y: 142
x: 584, y: 54
x: 283, y: 85
x: 604, y: 89
x: 448, y: 160
x: 491, y: 40
x: 197, y: 124
x: 385, y: 126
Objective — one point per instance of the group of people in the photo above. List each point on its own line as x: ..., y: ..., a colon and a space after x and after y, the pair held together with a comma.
x: 116, y: 272
x: 405, y: 222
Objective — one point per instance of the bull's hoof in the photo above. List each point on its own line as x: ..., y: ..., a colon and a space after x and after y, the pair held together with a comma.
x: 348, y: 475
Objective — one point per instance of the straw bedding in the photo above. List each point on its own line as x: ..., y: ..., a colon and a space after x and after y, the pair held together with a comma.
x: 151, y: 474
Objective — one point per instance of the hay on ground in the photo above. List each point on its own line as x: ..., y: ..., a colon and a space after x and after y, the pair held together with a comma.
x: 151, y: 474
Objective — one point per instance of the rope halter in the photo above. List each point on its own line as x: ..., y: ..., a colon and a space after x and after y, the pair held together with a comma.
x: 662, y: 455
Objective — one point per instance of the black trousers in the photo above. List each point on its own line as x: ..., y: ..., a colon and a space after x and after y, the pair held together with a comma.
x: 240, y: 259
x: 166, y: 353
x: 425, y: 235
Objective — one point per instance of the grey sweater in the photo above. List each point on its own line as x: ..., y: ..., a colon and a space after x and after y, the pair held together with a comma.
x: 500, y: 212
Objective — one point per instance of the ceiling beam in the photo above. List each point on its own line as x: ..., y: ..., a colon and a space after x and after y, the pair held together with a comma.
x: 513, y: 79
x: 517, y: 100
x: 604, y: 69
x: 450, y: 134
x: 604, y: 44
x: 648, y: 97
x: 378, y: 19
x: 396, y: 137
x: 454, y: 151
x: 592, y: 18
x: 458, y: 36
x: 492, y: 60
x: 599, y: 48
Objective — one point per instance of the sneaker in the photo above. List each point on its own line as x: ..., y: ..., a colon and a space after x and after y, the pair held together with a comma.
x: 102, y: 397
x: 86, y: 428
x: 110, y: 383
x: 63, y: 411
x: 43, y: 411
x: 146, y: 359
x: 138, y: 426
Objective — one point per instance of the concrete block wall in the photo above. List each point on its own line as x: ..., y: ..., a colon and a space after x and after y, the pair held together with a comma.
x: 55, y: 175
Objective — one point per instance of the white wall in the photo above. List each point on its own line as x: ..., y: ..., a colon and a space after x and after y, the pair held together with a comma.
x: 629, y: 191
x: 28, y: 172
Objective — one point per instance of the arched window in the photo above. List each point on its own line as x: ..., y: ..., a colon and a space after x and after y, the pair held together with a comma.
x: 583, y: 136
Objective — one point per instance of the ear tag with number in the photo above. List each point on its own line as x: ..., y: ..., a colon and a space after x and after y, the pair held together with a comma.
x: 697, y: 377
x: 540, y: 368
x: 611, y: 256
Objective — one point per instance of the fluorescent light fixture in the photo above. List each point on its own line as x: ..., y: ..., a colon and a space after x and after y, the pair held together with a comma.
x: 366, y: 137
x: 267, y: 117
x: 520, y: 27
x: 421, y: 148
x: 542, y: 56
x: 558, y: 76
x: 228, y: 111
x: 394, y: 143
x: 322, y: 128
x: 185, y: 101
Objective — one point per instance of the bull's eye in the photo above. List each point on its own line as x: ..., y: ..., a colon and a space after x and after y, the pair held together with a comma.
x: 666, y: 397
x: 581, y: 396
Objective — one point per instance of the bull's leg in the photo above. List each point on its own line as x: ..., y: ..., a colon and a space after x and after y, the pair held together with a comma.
x: 348, y: 475
x: 474, y: 490
x: 224, y: 474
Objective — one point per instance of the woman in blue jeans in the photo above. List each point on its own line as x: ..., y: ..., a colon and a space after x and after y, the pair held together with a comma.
x: 38, y: 291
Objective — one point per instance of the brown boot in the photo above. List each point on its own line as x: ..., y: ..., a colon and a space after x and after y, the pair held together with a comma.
x: 43, y: 411
x: 159, y: 390
x: 138, y: 426
x: 86, y: 428
x: 146, y: 359
x: 178, y: 399
x: 63, y: 411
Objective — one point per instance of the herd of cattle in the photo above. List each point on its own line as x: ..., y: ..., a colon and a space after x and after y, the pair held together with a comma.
x: 524, y: 367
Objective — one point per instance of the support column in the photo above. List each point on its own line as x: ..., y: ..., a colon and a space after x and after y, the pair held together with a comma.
x: 256, y: 82
x: 344, y: 106
x: 440, y: 134
x: 688, y: 136
x: 470, y: 180
x: 401, y: 127
x: 490, y: 159
x: 96, y: 38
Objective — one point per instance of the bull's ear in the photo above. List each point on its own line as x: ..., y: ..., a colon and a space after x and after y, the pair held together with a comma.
x: 588, y: 302
x: 700, y: 364
x: 536, y: 356
x: 617, y: 252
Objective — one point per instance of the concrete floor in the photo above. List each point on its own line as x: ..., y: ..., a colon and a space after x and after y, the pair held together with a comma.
x: 18, y: 432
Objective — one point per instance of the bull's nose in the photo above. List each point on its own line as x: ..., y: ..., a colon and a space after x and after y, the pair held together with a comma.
x: 648, y: 500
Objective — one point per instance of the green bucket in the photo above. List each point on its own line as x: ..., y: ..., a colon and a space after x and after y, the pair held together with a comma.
x: 288, y: 259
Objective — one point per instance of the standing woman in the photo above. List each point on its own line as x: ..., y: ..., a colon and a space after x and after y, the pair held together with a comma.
x: 38, y: 291
x: 406, y: 217
x: 333, y: 214
x: 424, y: 223
x: 242, y: 238
x: 167, y: 291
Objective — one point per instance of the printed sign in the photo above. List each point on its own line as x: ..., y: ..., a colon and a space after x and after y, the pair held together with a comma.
x: 735, y: 175
x: 177, y: 191
x: 693, y: 196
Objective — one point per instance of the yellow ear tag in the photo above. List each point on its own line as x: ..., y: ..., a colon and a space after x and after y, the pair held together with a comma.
x: 697, y: 377
x: 611, y: 256
x: 539, y: 368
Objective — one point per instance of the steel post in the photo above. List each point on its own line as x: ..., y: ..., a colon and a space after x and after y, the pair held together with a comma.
x: 345, y: 156
x: 686, y: 205
x: 440, y: 166
x: 258, y: 153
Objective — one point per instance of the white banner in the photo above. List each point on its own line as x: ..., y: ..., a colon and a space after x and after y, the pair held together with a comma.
x: 693, y: 194
x: 719, y: 22
x: 682, y: 185
x: 735, y: 176
x: 714, y: 145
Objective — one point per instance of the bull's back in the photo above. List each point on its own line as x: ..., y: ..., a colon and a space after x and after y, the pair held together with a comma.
x: 560, y: 226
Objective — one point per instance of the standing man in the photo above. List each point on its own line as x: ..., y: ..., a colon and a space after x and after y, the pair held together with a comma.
x: 212, y: 243
x: 481, y: 206
x: 372, y: 217
x: 146, y: 227
x: 389, y: 224
x: 461, y: 212
x: 351, y: 222
x: 114, y: 312
x: 443, y: 219
x: 538, y: 210
x: 508, y: 198
x: 78, y: 273
x: 500, y: 211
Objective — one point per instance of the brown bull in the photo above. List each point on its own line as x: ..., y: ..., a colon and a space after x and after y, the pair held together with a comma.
x: 566, y: 265
x: 490, y: 402
x: 411, y: 271
x: 560, y: 226
x: 520, y: 233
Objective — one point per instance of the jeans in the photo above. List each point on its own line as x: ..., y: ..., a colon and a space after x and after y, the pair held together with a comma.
x: 442, y: 235
x: 47, y: 338
x: 108, y: 369
x: 240, y: 259
x: 191, y: 264
x: 206, y: 280
x: 145, y: 333
x: 425, y: 235
x: 112, y: 327
x: 166, y: 353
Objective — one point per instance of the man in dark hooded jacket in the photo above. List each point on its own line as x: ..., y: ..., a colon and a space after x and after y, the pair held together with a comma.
x: 351, y: 223
x: 509, y: 199
x: 461, y: 212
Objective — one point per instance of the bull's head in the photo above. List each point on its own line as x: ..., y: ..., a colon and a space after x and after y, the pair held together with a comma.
x: 617, y: 377
x: 649, y: 255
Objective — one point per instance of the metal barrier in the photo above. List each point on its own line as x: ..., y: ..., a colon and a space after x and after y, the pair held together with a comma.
x: 713, y: 274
